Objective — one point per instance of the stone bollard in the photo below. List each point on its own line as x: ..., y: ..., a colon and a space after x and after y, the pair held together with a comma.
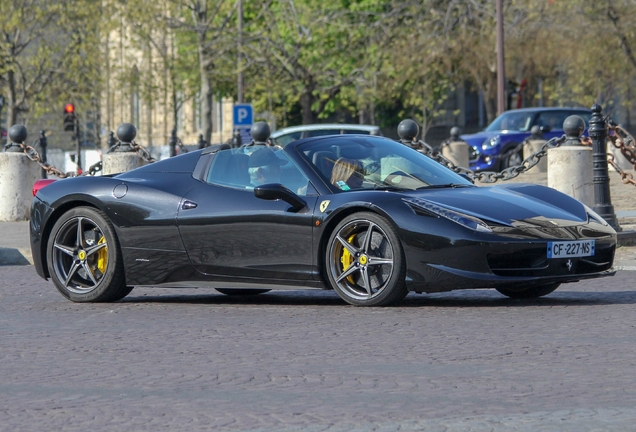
x: 455, y: 149
x: 533, y: 145
x: 17, y: 175
x: 124, y: 158
x: 570, y: 165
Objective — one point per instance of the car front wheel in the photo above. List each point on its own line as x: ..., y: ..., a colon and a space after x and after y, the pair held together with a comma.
x: 364, y: 261
x: 83, y: 257
x: 512, y: 156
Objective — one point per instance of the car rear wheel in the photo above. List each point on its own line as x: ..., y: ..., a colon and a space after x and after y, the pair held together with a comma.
x: 364, y: 261
x: 83, y: 257
x: 530, y: 292
x: 241, y: 292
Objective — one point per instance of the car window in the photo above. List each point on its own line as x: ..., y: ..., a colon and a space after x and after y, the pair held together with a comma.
x: 285, y: 139
x: 354, y: 131
x: 554, y: 119
x: 321, y: 132
x: 511, y: 120
x: 247, y: 167
x: 375, y: 163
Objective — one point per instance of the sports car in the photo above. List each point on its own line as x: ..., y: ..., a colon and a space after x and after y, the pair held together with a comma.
x: 365, y: 216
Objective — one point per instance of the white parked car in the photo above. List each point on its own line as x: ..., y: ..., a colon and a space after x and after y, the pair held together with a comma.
x: 284, y: 136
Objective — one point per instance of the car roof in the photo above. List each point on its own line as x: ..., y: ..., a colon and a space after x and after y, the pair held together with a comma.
x: 335, y: 139
x: 325, y: 126
x: 537, y: 109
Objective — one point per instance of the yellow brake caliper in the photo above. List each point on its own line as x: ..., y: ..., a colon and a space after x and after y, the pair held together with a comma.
x: 347, y: 259
x: 102, y: 256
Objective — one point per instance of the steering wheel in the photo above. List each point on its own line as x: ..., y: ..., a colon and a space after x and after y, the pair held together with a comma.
x: 395, y: 178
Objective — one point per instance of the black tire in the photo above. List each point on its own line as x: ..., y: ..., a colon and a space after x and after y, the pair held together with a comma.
x: 530, y: 292
x: 513, y: 159
x: 241, y: 292
x: 83, y: 257
x: 366, y: 273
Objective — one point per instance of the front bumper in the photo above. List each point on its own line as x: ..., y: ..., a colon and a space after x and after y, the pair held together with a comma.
x: 485, y: 160
x: 467, y: 264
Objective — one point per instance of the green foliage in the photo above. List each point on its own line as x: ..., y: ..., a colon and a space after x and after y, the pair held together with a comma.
x: 306, y: 61
x: 49, y: 55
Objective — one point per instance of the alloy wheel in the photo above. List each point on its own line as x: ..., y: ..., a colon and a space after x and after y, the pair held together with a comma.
x: 362, y: 260
x: 80, y: 255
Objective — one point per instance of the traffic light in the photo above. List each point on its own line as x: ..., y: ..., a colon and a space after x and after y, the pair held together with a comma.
x: 69, y: 117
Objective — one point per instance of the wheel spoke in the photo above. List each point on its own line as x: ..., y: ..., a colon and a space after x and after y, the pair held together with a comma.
x: 80, y: 233
x: 367, y: 239
x: 351, y: 248
x: 349, y: 271
x: 71, y: 273
x: 67, y: 250
x: 366, y: 281
x: 378, y: 261
x: 91, y: 250
x: 89, y: 272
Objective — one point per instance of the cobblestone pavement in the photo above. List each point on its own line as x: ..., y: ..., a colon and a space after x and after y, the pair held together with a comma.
x: 303, y: 360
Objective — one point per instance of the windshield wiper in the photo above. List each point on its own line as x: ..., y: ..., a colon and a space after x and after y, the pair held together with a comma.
x: 446, y: 185
x: 387, y: 187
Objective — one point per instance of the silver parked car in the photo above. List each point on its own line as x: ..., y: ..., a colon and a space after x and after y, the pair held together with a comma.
x: 282, y: 137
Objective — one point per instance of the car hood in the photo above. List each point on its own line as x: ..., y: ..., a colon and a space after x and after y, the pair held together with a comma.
x: 510, y: 204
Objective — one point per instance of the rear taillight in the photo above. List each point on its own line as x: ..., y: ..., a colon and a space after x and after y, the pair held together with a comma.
x: 40, y: 184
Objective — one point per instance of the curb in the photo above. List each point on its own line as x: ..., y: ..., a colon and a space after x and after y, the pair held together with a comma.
x: 626, y: 238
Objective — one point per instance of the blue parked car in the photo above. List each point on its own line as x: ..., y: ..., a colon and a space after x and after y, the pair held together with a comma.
x: 491, y: 147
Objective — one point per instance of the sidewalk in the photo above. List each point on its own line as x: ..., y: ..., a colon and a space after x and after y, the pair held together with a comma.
x: 15, y: 248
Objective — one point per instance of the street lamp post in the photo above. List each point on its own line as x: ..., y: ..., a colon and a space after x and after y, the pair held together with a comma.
x: 602, y: 197
x: 239, y: 97
x: 501, y: 98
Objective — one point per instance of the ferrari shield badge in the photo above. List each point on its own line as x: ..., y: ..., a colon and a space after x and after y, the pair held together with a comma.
x: 324, y: 205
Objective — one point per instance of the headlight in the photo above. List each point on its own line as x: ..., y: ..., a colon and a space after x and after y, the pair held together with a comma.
x: 595, y: 216
x: 492, y: 142
x: 460, y: 218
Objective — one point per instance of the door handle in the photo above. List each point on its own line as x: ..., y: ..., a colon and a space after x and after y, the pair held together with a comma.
x: 188, y: 205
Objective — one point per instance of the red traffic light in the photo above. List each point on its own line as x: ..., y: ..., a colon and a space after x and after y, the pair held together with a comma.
x: 69, y: 108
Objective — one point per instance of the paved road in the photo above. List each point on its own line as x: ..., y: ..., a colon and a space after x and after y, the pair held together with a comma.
x: 195, y: 360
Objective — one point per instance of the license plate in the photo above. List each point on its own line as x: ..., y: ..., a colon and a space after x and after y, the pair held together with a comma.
x: 570, y: 249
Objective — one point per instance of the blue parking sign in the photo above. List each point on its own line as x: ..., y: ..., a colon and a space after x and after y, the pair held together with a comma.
x: 243, y: 116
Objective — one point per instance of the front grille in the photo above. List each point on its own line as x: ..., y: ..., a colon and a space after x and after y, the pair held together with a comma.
x: 521, y: 263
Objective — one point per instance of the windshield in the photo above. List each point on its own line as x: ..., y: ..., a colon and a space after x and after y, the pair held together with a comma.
x: 360, y: 162
x: 517, y: 121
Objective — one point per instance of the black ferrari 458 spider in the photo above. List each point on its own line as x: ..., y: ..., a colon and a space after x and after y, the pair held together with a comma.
x: 365, y: 216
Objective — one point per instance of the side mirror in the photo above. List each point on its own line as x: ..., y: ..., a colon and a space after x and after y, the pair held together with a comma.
x: 276, y: 191
x: 546, y: 128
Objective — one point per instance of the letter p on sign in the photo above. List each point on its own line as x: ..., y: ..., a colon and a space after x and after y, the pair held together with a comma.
x: 243, y: 116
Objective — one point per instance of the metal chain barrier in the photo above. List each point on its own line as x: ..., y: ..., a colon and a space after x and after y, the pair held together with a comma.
x: 33, y: 155
x: 517, y: 149
x: 142, y: 152
x: 624, y: 141
x: 491, y: 176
